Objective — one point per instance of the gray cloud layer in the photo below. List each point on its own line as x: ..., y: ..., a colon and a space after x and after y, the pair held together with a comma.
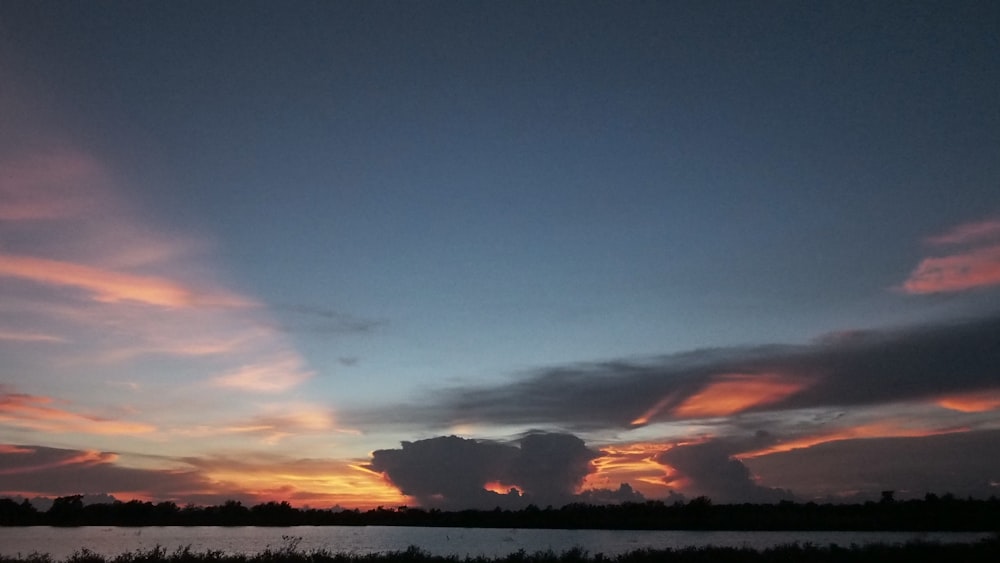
x: 860, y: 368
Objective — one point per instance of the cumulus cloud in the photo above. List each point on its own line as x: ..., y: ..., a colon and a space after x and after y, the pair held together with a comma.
x: 711, y: 470
x: 453, y: 472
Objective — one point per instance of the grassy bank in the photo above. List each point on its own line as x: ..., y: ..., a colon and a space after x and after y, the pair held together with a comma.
x: 986, y: 551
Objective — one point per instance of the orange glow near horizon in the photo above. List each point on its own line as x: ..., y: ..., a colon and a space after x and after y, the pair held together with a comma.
x: 976, y: 401
x: 631, y: 463
x: 501, y: 488
x: 733, y: 393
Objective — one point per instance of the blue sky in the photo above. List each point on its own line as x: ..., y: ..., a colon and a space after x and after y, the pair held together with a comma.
x: 286, y: 232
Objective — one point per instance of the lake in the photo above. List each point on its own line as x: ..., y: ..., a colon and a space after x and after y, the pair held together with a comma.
x: 490, y: 542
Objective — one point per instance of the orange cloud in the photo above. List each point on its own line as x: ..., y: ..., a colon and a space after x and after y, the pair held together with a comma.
x: 885, y: 429
x: 36, y: 413
x: 959, y: 272
x: 655, y: 409
x: 733, y: 393
x: 501, y: 488
x: 633, y: 463
x: 977, y: 401
x: 111, y: 286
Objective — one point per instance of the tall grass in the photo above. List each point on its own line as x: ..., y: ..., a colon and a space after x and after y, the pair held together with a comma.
x: 985, y: 551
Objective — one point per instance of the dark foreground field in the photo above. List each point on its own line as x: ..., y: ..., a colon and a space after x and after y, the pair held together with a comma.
x: 986, y: 551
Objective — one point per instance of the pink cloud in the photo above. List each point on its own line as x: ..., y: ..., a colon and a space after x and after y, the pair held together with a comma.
x: 111, y: 286
x: 968, y: 233
x: 25, y: 336
x: 959, y: 272
x: 50, y: 186
x: 975, y: 264
x: 42, y: 413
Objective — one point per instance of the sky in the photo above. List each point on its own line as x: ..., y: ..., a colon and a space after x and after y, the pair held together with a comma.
x: 475, y: 254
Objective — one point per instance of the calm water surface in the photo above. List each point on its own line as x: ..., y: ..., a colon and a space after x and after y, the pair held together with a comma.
x: 110, y: 541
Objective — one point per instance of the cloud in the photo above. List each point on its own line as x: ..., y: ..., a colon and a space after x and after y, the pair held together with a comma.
x: 974, y: 264
x: 330, y: 321
x: 920, y: 363
x: 453, y: 472
x: 44, y: 413
x: 271, y: 375
x: 710, y: 469
x: 47, y: 186
x: 110, y: 286
x: 44, y: 471
x: 19, y: 336
x: 958, y: 272
x: 968, y: 233
x: 728, y: 394
x: 81, y: 266
x: 959, y: 463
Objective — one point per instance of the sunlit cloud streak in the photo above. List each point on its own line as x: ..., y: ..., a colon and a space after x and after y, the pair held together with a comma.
x: 109, y: 286
x: 85, y: 268
x: 271, y: 375
x: 977, y: 401
x: 728, y: 394
x: 968, y: 233
x: 975, y: 263
x: 47, y: 414
x: 912, y: 466
x: 918, y: 363
x: 15, y: 336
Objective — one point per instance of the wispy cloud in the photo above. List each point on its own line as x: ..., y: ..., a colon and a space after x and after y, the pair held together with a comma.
x: 110, y: 286
x: 81, y: 266
x: 19, y: 336
x: 974, y: 263
x: 271, y: 375
x: 46, y: 414
x: 968, y: 233
x: 328, y: 321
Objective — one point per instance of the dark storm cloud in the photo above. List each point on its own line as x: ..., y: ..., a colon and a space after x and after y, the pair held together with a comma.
x: 450, y: 472
x: 856, y: 368
x: 711, y: 471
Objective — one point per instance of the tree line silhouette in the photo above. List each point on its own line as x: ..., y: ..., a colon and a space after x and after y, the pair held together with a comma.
x: 945, y: 513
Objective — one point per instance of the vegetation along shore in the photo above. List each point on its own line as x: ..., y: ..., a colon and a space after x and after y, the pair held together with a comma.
x: 932, y: 513
x: 914, y: 552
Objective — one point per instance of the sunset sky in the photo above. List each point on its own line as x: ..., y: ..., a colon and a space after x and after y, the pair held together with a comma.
x: 477, y: 254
